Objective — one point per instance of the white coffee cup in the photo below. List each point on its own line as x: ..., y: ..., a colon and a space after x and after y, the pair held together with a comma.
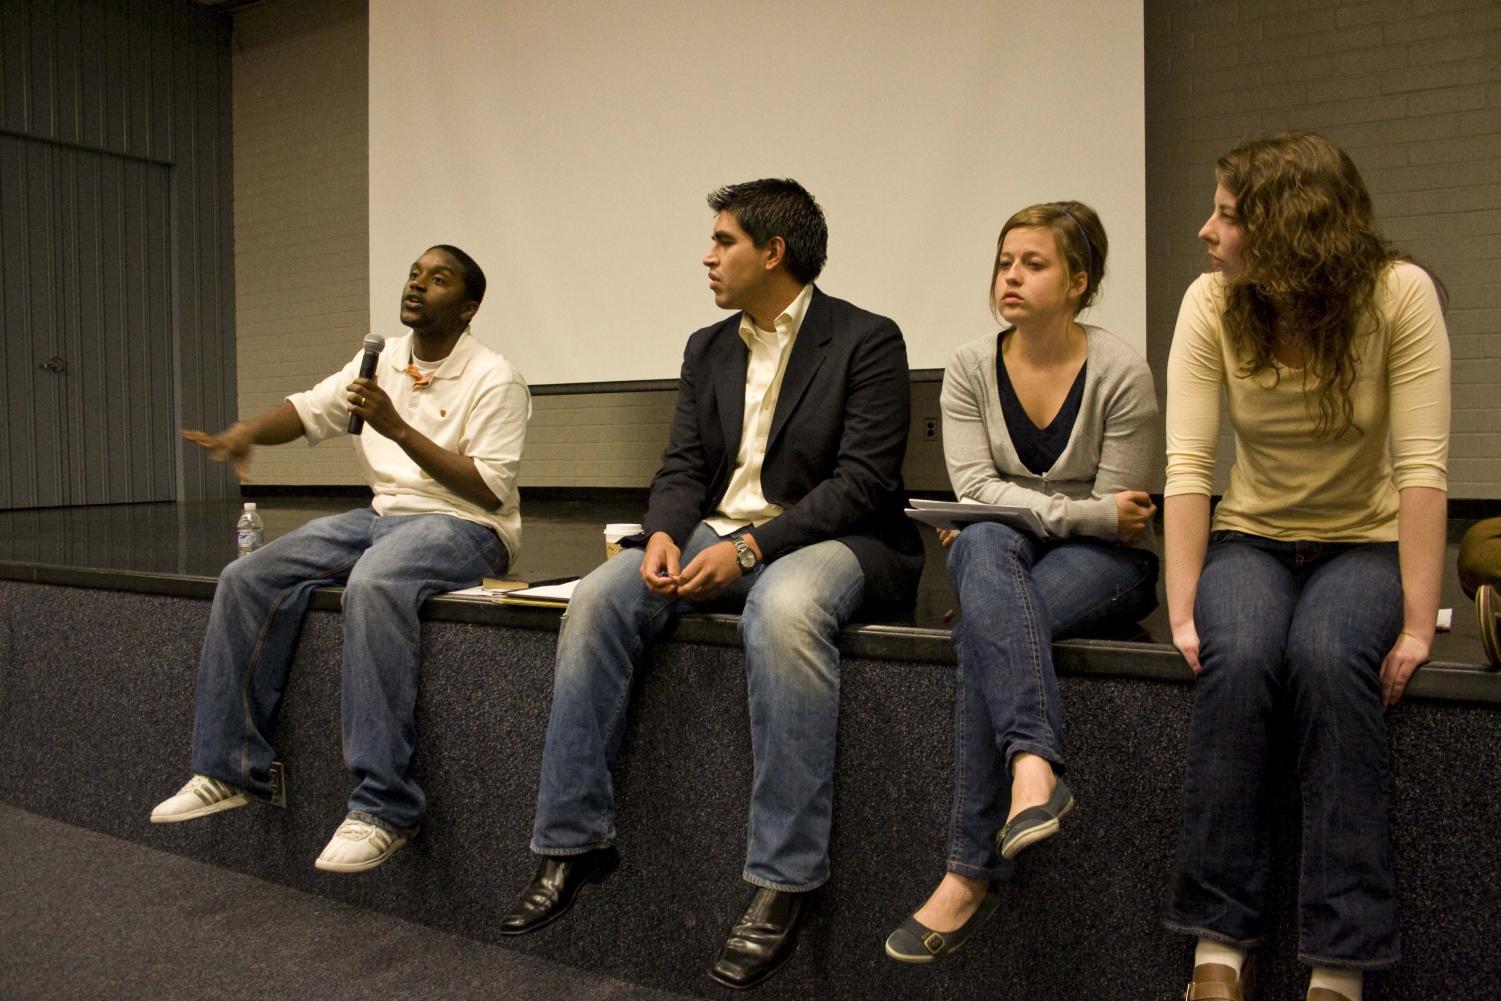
x: 613, y: 535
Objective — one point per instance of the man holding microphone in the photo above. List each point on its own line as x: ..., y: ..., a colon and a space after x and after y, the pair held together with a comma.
x: 444, y: 419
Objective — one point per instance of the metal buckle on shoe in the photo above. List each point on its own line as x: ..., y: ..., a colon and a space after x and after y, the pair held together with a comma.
x: 933, y: 942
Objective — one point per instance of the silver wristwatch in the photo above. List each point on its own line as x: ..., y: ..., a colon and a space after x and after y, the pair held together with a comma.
x: 744, y: 555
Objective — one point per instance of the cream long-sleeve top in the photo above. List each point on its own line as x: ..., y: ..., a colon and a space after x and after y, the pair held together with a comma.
x: 1111, y: 448
x: 476, y: 404
x: 1287, y: 483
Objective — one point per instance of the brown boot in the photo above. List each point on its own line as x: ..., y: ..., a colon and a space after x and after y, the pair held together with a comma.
x: 1325, y: 994
x: 1218, y: 982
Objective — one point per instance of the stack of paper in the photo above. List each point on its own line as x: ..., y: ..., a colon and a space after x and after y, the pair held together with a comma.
x: 549, y: 594
x: 957, y: 514
x: 546, y: 593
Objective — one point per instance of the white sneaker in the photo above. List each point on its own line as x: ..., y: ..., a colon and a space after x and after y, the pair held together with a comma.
x: 358, y: 845
x: 199, y: 798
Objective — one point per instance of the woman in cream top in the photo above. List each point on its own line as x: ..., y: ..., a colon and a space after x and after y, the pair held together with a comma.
x: 1307, y: 602
x: 1058, y: 417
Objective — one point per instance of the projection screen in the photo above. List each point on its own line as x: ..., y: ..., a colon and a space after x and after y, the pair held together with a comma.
x: 569, y: 146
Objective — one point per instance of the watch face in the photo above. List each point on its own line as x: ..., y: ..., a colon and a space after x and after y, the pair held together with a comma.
x: 747, y: 559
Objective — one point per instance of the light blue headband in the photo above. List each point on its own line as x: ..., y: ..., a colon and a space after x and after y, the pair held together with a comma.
x: 1088, y: 247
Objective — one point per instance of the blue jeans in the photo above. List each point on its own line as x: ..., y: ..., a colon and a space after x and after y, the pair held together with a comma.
x: 1016, y: 595
x: 1291, y: 639
x: 388, y: 565
x: 793, y: 609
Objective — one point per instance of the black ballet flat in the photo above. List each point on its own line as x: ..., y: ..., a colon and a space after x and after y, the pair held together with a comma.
x: 913, y: 942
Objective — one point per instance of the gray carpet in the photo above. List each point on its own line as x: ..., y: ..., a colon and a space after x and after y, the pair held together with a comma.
x: 84, y: 916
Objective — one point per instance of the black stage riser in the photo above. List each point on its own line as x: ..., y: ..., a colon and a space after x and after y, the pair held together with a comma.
x: 96, y: 693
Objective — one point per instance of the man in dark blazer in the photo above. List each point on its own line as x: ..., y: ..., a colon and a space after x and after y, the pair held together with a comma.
x: 780, y: 490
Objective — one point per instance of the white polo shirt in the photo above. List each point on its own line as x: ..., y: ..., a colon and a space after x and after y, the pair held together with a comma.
x: 476, y: 405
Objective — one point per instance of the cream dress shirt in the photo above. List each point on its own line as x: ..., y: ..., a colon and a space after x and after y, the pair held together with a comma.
x: 744, y: 503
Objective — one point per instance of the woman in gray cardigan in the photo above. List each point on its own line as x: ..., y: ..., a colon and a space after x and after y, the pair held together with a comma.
x: 1058, y: 417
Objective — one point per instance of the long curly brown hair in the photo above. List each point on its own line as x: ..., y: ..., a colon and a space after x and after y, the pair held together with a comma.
x: 1311, y: 257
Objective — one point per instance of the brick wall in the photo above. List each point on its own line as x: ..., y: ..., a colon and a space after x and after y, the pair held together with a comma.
x: 301, y: 214
x: 1412, y: 88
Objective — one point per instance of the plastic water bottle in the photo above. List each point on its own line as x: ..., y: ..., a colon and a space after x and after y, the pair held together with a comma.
x: 250, y: 531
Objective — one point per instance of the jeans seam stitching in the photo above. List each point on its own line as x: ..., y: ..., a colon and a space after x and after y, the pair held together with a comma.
x: 1029, y: 620
x: 638, y: 647
x: 961, y: 781
x: 252, y: 663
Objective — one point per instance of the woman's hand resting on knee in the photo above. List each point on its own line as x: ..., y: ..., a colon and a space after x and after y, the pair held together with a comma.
x: 1186, y: 639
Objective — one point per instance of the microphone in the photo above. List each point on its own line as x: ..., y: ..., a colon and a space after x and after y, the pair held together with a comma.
x: 372, y: 345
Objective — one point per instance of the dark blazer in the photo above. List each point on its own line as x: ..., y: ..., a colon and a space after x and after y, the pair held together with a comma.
x: 833, y: 457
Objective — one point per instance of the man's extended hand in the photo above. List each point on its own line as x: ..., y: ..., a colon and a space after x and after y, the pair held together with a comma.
x: 659, y: 568
x: 233, y: 443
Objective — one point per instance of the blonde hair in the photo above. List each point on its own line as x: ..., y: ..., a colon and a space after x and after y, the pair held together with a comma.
x: 1079, y: 236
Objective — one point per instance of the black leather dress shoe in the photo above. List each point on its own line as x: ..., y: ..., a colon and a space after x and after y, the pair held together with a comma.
x: 550, y: 893
x: 761, y: 941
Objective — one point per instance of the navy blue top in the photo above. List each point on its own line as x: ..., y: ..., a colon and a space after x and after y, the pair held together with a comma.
x: 1037, y: 448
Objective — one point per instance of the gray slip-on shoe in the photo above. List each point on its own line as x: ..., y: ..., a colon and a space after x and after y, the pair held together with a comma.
x: 913, y: 942
x: 1035, y: 823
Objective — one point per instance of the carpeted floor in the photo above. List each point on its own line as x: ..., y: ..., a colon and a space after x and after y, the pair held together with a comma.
x: 85, y: 916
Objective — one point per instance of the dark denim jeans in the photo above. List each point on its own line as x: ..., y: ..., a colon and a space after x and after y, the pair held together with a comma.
x: 1291, y: 638
x: 793, y: 610
x: 388, y: 565
x: 1016, y: 595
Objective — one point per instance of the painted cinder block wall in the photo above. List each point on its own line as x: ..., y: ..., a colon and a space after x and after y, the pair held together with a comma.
x: 1412, y: 88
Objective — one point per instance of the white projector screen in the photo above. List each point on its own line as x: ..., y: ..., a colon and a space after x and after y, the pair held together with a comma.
x: 569, y: 146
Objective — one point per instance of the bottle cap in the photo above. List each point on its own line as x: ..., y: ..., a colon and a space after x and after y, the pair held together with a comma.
x: 250, y: 505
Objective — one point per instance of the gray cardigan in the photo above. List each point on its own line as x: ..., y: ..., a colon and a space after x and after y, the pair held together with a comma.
x: 1111, y: 447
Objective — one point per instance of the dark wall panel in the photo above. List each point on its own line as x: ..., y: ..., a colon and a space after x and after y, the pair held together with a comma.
x: 14, y: 64
x: 116, y: 243
x: 86, y: 253
x: 99, y: 73
x: 203, y: 253
x: 42, y: 425
x: 32, y: 474
x: 14, y: 407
